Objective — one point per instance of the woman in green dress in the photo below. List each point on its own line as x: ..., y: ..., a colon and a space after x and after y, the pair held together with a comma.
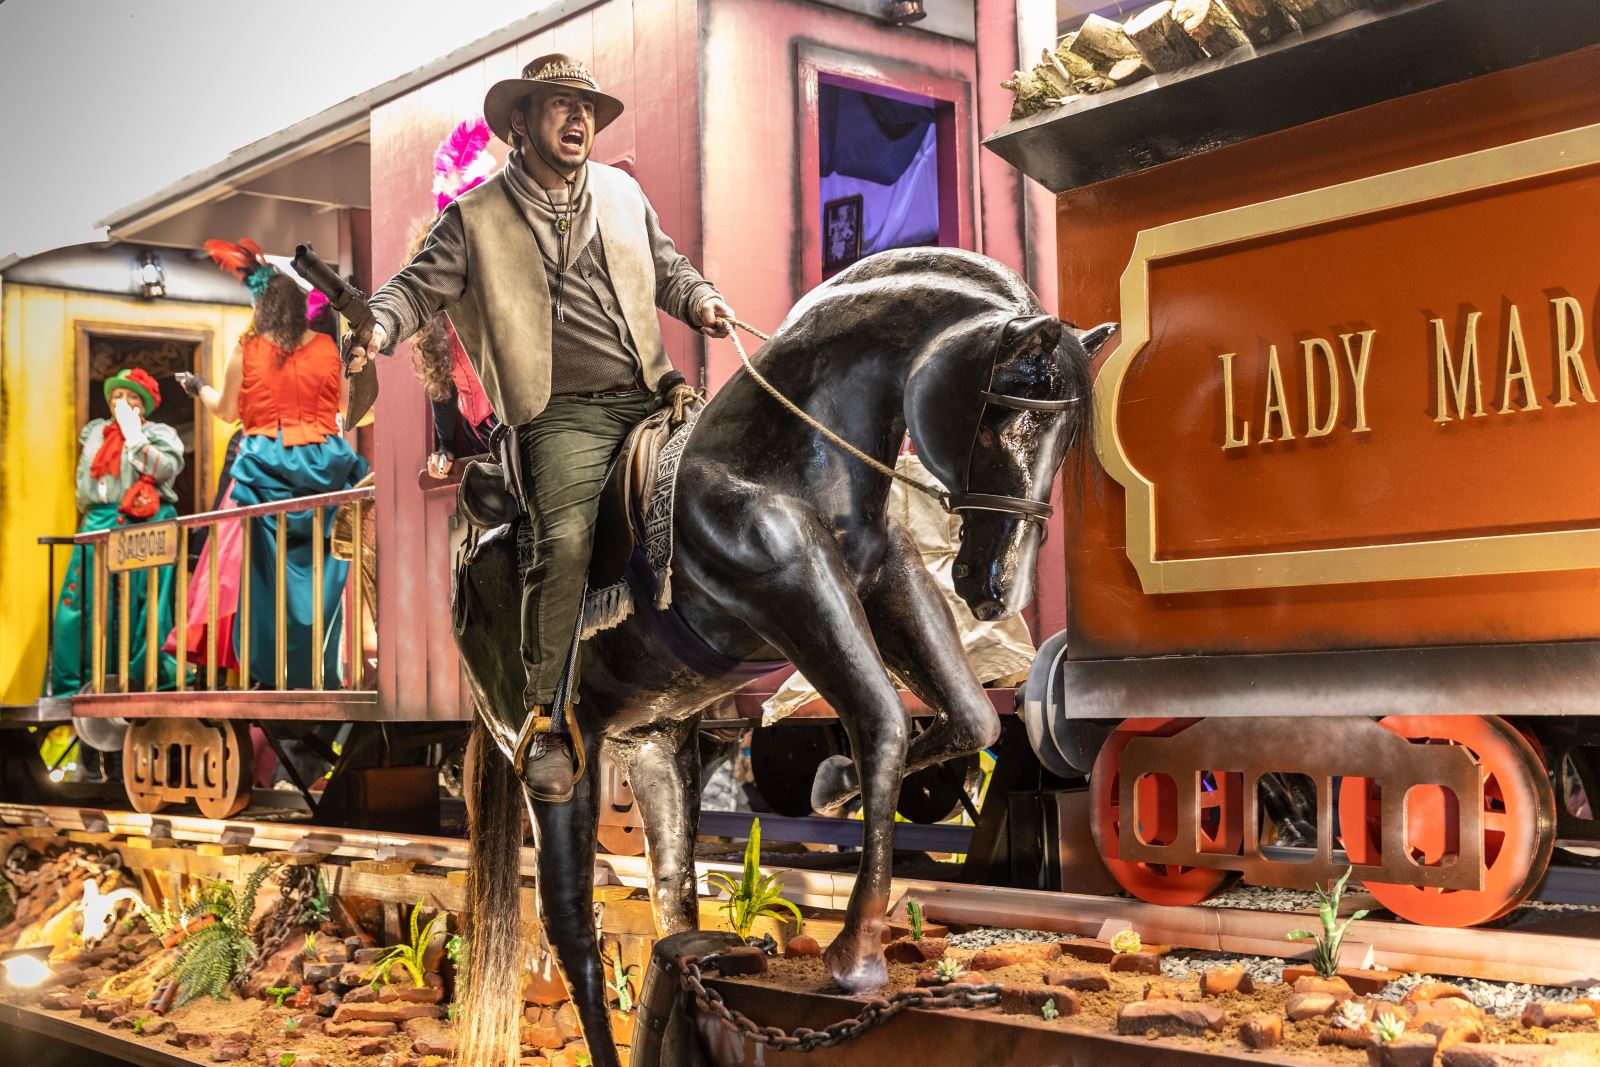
x: 126, y: 469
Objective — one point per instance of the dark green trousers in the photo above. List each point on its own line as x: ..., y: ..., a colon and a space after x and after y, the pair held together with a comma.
x: 565, y: 454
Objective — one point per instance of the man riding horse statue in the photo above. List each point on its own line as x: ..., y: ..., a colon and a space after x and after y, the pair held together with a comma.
x: 781, y: 547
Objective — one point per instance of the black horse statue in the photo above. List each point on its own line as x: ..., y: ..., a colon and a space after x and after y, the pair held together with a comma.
x: 784, y: 551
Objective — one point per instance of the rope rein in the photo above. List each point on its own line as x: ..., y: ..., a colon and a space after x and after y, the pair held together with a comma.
x: 939, y: 495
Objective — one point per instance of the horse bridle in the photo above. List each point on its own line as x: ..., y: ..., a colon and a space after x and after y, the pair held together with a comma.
x: 964, y: 499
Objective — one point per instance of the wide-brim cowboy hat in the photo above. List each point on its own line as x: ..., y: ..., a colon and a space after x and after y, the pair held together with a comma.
x: 547, y: 74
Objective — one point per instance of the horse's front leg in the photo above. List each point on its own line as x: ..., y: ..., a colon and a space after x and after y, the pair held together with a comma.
x: 663, y: 767
x: 813, y: 615
x: 917, y: 636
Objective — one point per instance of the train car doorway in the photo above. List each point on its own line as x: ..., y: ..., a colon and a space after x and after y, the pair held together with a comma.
x: 104, y: 348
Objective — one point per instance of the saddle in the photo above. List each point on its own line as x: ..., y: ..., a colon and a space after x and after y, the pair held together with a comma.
x: 488, y: 499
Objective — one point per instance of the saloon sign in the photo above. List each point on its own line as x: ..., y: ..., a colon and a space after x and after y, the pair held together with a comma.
x: 1393, y: 378
x: 150, y: 544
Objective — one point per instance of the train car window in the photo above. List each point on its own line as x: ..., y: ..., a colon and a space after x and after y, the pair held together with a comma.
x: 879, y: 174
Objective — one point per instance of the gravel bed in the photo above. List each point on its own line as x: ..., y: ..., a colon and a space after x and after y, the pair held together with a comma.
x: 1264, y: 898
x: 987, y: 936
x: 1266, y: 970
x: 1496, y: 998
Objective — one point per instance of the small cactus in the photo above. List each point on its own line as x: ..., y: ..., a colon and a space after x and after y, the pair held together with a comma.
x: 1049, y: 1010
x: 1352, y: 1015
x: 1390, y: 1027
x: 914, y: 917
x: 948, y: 970
x: 1126, y: 942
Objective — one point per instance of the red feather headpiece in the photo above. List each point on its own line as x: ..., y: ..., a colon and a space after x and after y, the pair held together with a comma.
x: 241, y: 258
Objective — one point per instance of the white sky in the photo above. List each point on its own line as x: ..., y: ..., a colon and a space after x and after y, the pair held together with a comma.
x: 103, y: 103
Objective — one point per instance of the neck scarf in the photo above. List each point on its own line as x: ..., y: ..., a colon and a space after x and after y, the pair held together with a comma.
x: 541, y: 208
x: 108, y: 459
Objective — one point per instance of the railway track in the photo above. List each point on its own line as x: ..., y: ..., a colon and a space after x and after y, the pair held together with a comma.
x: 396, y: 868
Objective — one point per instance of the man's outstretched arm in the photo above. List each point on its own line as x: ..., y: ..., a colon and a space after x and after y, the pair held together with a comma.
x: 434, y: 279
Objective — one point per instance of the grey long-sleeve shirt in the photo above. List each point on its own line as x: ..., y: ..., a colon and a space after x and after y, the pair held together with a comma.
x: 587, y: 356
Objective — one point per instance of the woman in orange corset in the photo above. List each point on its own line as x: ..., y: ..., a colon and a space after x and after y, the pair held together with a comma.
x: 284, y: 384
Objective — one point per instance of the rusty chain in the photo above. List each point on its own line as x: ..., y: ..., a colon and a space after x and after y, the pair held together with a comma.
x: 804, y: 1039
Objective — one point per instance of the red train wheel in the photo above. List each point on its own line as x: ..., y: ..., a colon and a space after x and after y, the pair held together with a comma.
x: 1153, y: 882
x: 1518, y: 822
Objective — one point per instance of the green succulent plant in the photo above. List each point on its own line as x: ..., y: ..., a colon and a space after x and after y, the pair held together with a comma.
x: 1325, y: 961
x: 287, y: 1059
x: 1390, y: 1027
x: 754, y: 894
x: 409, y: 955
x: 1126, y: 942
x: 282, y: 993
x: 1049, y: 1010
x: 619, y: 983
x: 948, y: 970
x: 914, y: 917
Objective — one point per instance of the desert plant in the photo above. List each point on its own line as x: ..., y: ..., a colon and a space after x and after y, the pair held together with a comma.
x: 755, y: 894
x: 1049, y: 1011
x: 1390, y: 1027
x: 1325, y: 961
x: 1351, y: 1015
x: 948, y: 970
x: 315, y: 909
x: 138, y: 1024
x: 1126, y: 942
x: 287, y: 1059
x: 619, y: 983
x: 91, y: 994
x: 282, y: 992
x: 410, y: 955
x: 292, y: 1023
x: 583, y: 1060
x: 456, y: 949
x: 213, y: 955
x: 914, y: 917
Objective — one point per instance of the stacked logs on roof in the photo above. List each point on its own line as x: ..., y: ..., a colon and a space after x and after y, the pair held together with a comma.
x: 1102, y: 54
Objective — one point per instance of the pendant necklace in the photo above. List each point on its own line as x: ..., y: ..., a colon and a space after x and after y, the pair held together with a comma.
x: 563, y: 216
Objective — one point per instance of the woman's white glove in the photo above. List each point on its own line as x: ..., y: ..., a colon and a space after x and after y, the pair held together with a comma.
x: 133, y: 434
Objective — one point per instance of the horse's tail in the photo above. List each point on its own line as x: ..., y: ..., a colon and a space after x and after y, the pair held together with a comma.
x: 491, y: 1010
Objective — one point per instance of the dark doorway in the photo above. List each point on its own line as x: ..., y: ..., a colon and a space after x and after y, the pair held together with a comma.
x: 104, y: 350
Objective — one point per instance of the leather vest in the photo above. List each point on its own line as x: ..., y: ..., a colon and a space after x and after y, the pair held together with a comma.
x: 503, y: 319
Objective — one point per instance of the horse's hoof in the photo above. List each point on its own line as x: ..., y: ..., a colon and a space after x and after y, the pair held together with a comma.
x: 858, y: 975
x: 835, y: 785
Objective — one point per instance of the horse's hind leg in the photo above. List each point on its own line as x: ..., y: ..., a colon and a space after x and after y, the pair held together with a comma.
x: 663, y: 768
x: 566, y: 847
x: 917, y: 636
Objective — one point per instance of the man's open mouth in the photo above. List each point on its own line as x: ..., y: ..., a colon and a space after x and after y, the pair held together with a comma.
x: 574, y: 138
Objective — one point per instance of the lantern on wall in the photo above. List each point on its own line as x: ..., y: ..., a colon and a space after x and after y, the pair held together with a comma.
x: 152, y: 283
x: 902, y: 12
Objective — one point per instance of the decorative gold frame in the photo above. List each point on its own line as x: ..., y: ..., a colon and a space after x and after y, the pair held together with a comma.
x: 1555, y: 550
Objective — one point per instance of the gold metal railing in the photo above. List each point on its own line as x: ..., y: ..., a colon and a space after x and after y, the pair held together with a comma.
x: 96, y: 547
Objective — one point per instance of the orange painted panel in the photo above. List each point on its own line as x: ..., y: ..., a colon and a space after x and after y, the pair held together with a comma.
x: 1268, y: 546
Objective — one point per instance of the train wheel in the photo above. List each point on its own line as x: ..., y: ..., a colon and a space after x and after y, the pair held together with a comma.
x: 171, y: 761
x: 1519, y: 813
x: 1153, y: 882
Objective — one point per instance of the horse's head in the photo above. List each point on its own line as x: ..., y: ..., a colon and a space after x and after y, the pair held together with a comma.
x: 992, y: 414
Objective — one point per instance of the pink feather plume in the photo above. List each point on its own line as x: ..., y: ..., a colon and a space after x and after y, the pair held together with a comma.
x: 315, y: 302
x: 462, y: 161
